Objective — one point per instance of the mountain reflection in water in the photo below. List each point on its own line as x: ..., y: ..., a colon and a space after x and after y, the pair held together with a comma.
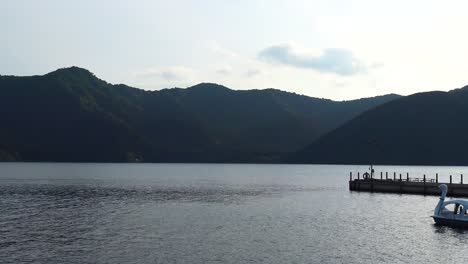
x: 188, y: 213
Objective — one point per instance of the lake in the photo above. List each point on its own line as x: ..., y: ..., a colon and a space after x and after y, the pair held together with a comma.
x: 215, y: 213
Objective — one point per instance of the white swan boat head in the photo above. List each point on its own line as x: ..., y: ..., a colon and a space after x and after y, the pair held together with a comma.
x: 452, y: 212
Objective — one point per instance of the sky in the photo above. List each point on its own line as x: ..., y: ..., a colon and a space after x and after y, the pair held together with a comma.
x: 337, y: 49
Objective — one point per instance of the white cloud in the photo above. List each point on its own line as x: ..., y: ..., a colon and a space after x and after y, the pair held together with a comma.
x: 218, y: 49
x: 240, y: 71
x: 377, y: 65
x: 253, y: 72
x: 164, y: 77
x: 225, y: 70
x: 331, y: 60
x: 172, y: 73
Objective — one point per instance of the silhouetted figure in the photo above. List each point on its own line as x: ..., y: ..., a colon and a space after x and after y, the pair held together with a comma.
x: 366, y: 175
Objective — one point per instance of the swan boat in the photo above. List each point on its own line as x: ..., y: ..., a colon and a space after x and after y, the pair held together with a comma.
x: 456, y: 216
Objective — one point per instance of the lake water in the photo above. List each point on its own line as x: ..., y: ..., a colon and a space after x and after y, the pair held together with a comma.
x: 198, y: 213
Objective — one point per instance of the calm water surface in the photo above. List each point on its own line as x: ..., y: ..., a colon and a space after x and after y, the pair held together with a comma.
x: 189, y: 213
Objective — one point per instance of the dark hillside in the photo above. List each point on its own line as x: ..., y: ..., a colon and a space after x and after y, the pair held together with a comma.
x: 421, y: 129
x: 71, y: 115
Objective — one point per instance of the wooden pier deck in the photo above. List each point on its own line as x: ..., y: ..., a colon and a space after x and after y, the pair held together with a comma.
x: 399, y: 184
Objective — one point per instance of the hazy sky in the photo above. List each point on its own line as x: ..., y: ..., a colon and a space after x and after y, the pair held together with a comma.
x: 338, y: 49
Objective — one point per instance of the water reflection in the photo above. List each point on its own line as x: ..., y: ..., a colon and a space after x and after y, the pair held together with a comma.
x: 71, y: 194
x: 450, y: 230
x: 211, y: 213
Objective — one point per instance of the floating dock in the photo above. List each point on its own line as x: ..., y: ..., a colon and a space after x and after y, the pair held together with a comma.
x: 397, y: 184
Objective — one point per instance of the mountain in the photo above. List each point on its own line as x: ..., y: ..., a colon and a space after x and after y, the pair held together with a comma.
x: 71, y: 115
x: 422, y: 129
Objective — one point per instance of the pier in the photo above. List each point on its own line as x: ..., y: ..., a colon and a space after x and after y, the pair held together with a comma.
x: 393, y: 183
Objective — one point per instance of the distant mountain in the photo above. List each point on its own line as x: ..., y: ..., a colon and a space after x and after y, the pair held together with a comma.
x: 422, y: 129
x: 71, y: 115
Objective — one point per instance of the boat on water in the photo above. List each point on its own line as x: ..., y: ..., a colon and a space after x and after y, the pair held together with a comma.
x: 452, y: 212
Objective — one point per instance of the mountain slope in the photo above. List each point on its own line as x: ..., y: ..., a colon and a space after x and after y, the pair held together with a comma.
x: 421, y: 129
x: 53, y: 119
x: 71, y: 115
x: 266, y: 120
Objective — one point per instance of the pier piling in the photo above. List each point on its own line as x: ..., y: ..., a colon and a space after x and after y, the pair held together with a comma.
x: 424, y: 180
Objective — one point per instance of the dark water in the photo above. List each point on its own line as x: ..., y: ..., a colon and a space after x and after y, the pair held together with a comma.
x: 109, y: 213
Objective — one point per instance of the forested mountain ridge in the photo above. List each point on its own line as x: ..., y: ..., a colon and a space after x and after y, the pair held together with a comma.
x: 71, y: 115
x: 421, y: 129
